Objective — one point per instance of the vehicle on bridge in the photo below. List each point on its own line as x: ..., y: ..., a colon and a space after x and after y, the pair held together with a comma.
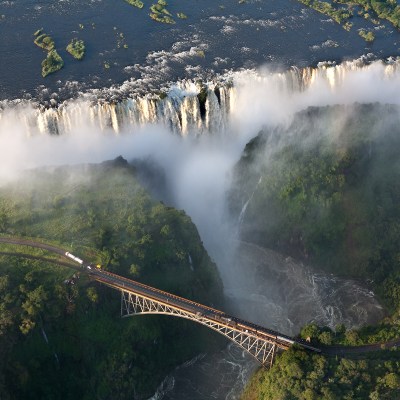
x: 76, y: 259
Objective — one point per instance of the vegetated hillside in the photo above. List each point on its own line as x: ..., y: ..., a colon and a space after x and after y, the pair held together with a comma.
x: 297, y: 375
x: 326, y: 190
x: 64, y: 340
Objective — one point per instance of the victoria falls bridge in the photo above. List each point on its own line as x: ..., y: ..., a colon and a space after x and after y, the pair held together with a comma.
x: 137, y: 298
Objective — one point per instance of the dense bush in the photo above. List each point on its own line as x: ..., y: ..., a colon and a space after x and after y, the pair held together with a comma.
x: 61, y: 335
x: 297, y: 375
x: 326, y: 191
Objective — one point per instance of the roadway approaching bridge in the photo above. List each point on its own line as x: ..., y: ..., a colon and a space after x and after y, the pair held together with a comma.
x: 137, y: 298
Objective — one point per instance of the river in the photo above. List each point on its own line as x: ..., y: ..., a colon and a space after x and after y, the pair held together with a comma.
x: 260, y: 285
x: 269, y: 289
x: 125, y: 45
x: 108, y: 105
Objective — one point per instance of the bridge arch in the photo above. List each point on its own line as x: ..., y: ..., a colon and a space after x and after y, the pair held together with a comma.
x: 137, y: 299
x: 262, y: 349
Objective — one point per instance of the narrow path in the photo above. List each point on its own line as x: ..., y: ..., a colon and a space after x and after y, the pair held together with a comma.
x: 31, y: 243
x: 352, y: 350
x: 45, y: 259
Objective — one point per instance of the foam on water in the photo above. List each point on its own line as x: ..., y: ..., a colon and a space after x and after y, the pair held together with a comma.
x: 250, y: 97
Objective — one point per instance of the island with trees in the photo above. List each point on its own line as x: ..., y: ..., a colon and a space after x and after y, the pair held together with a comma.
x: 76, y: 48
x: 342, y: 11
x: 53, y: 61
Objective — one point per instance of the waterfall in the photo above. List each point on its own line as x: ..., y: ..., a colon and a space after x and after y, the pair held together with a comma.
x: 190, y: 115
x: 214, y: 116
x: 244, y: 208
x: 180, y: 112
x: 47, y: 342
x: 177, y: 107
x: 190, y: 262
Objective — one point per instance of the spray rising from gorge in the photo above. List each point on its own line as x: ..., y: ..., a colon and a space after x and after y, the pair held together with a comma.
x: 196, y: 135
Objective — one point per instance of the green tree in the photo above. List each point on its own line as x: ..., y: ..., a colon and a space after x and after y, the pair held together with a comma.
x: 92, y: 294
x: 392, y: 380
x: 311, y: 331
x: 134, y: 270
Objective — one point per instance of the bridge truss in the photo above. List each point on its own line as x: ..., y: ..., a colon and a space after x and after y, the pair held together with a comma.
x: 261, y: 348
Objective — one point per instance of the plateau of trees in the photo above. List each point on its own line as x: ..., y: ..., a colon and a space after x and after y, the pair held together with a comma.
x: 328, y: 195
x: 61, y: 335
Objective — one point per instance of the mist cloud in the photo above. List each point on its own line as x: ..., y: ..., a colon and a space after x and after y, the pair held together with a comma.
x: 198, y: 168
x: 265, y: 98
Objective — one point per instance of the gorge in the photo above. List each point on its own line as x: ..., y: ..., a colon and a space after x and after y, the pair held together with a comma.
x: 195, y: 133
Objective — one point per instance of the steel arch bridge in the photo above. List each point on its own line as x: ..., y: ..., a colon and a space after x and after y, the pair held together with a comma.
x: 262, y: 349
x: 138, y: 299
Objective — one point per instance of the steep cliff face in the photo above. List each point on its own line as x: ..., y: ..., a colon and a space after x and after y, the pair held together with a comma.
x: 324, y: 189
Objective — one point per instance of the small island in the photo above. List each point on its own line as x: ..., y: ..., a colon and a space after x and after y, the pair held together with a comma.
x: 371, y: 10
x: 76, y: 48
x: 135, y: 3
x: 160, y: 14
x: 368, y: 36
x: 52, y: 63
x: 43, y: 40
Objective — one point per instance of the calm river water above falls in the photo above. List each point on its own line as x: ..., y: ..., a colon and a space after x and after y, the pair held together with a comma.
x: 124, y: 44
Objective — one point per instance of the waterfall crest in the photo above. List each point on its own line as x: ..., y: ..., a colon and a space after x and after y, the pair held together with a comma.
x: 186, y: 107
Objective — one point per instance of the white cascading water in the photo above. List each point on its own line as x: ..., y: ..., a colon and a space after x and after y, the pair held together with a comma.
x: 180, y: 110
x: 92, y: 128
x: 245, y: 205
x: 190, y: 116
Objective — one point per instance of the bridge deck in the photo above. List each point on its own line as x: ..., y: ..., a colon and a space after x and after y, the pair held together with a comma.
x: 138, y: 298
x: 169, y: 299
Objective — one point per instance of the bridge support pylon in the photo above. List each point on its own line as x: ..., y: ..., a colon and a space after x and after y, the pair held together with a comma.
x: 261, y: 348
